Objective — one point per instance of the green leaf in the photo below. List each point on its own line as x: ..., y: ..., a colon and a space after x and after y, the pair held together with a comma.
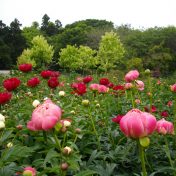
x: 5, y: 135
x: 86, y: 173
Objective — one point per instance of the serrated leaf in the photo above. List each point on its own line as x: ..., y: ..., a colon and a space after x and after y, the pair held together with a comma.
x: 5, y: 135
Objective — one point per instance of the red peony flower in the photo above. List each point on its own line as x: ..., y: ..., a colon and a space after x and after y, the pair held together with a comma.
x: 79, y: 88
x: 164, y: 114
x: 117, y: 119
x: 33, y: 82
x: 104, y: 81
x: 55, y: 74
x: 25, y: 67
x: 118, y: 87
x: 153, y: 109
x: 53, y: 82
x: 5, y: 97
x: 46, y: 74
x: 87, y: 79
x: 11, y: 83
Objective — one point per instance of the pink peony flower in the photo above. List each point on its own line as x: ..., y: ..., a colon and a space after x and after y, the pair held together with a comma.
x: 137, y: 124
x: 173, y: 88
x: 169, y: 103
x: 29, y: 171
x: 165, y: 127
x: 139, y: 85
x: 45, y: 116
x: 131, y: 75
x: 102, y: 89
x: 94, y: 87
x: 128, y: 86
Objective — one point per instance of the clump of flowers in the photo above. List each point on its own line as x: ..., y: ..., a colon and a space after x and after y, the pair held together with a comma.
x: 11, y: 83
x: 79, y: 88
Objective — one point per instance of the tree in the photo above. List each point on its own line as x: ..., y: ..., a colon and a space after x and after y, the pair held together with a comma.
x: 40, y: 54
x: 111, y: 51
x: 75, y: 58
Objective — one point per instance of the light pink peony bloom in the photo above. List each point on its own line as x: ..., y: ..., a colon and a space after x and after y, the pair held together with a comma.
x: 103, y: 89
x: 137, y: 124
x: 131, y: 75
x: 94, y: 87
x: 165, y: 127
x: 29, y: 171
x: 139, y: 85
x: 128, y: 86
x: 45, y: 116
x: 173, y: 88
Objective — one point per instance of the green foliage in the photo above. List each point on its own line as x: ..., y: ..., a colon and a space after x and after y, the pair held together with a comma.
x: 29, y: 33
x: 26, y: 57
x: 134, y: 63
x: 111, y: 51
x: 39, y: 55
x: 75, y: 58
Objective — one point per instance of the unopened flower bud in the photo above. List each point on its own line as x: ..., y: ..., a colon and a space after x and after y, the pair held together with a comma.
x: 85, y: 102
x: 10, y: 144
x: 35, y: 103
x: 2, y: 118
x: 19, y: 127
x: 72, y: 112
x: 147, y: 71
x: 64, y: 166
x: 67, y: 150
x: 97, y: 105
x: 2, y: 125
x: 78, y: 130
x: 61, y: 93
x: 67, y: 123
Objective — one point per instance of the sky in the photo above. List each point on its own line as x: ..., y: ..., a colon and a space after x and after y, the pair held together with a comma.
x: 138, y: 13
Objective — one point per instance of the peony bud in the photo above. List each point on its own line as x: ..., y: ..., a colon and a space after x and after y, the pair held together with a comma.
x: 64, y: 166
x: 144, y: 142
x: 72, y: 112
x: 2, y: 118
x: 2, y: 124
x: 61, y: 93
x: 147, y: 71
x: 67, y: 150
x: 35, y: 103
x: 67, y: 123
x: 78, y: 130
x: 85, y: 102
x: 9, y: 145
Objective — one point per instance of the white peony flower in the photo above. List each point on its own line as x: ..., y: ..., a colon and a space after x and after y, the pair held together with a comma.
x: 67, y: 123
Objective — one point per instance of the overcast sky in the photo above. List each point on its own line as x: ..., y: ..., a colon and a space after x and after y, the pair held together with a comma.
x: 138, y: 13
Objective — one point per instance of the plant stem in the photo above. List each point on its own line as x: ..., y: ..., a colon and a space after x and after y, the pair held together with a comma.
x: 141, y: 154
x: 45, y: 136
x: 57, y: 141
x: 132, y: 100
x: 168, y: 154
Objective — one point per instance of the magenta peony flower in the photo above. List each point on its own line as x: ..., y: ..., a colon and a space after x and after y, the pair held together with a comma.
x: 117, y: 119
x: 87, y: 79
x: 131, y: 75
x: 137, y: 124
x: 29, y: 171
x: 139, y: 85
x: 53, y: 82
x: 5, y: 97
x: 25, y: 67
x: 164, y: 127
x: 104, y: 81
x: 45, y: 116
x: 164, y: 114
x: 173, y: 88
x: 33, y: 82
x: 11, y: 83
